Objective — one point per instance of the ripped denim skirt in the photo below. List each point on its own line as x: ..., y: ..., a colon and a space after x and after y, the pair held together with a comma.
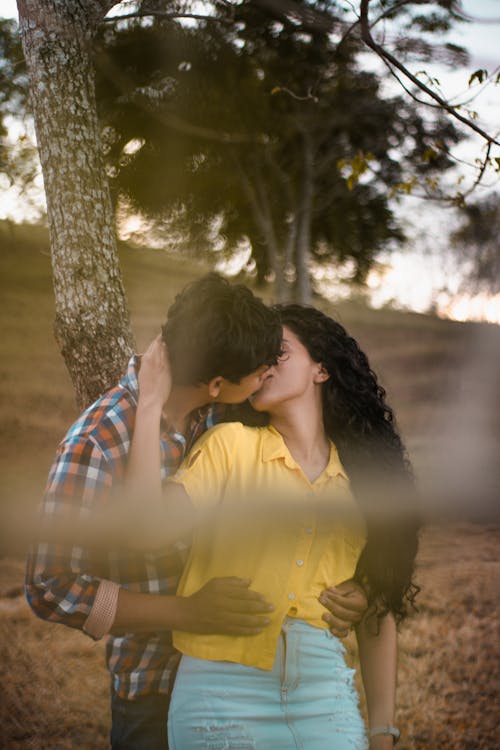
x: 306, y: 702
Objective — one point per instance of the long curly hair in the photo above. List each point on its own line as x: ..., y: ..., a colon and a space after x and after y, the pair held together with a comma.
x: 361, y: 424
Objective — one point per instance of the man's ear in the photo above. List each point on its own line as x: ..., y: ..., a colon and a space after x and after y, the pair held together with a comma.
x: 214, y: 386
x: 322, y: 375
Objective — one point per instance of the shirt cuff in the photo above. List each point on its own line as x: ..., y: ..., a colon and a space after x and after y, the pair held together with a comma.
x: 103, y: 612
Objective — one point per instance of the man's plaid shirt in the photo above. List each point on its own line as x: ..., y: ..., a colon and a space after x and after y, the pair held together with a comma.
x: 62, y: 580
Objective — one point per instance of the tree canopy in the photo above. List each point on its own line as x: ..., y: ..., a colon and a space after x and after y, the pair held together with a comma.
x: 306, y: 168
x: 18, y: 158
x: 279, y: 135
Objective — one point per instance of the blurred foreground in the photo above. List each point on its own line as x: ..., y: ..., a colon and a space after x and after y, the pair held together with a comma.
x: 55, y: 686
x: 442, y: 378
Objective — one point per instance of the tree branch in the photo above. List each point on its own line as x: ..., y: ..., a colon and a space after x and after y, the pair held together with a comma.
x: 309, y: 18
x: 381, y: 17
x: 177, y: 123
x: 481, y: 172
x: 387, y: 56
x: 169, y: 119
x: 164, y: 15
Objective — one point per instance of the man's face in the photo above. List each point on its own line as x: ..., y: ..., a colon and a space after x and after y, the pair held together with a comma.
x: 236, y: 393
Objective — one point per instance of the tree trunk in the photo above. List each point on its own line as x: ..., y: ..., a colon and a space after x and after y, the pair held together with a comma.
x: 92, y: 325
x: 303, y: 289
x: 289, y: 270
x: 258, y: 200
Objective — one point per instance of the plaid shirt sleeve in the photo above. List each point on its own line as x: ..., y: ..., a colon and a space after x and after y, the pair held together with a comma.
x: 62, y: 579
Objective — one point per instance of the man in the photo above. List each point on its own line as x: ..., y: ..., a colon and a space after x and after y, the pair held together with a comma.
x: 221, y: 340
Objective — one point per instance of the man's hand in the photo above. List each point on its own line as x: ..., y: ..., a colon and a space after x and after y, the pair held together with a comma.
x: 155, y: 380
x: 224, y: 606
x: 346, y: 604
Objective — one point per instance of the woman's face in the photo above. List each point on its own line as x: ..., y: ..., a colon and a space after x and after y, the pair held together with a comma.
x: 294, y: 376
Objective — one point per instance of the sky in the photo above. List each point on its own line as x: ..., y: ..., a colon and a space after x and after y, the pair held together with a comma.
x: 424, y: 273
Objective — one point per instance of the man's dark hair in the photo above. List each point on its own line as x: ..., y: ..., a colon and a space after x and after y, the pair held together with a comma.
x: 216, y: 328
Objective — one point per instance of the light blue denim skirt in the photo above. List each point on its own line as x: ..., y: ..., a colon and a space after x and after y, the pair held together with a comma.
x: 306, y: 702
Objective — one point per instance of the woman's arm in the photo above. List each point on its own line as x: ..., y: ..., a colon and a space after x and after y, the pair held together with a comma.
x: 378, y: 659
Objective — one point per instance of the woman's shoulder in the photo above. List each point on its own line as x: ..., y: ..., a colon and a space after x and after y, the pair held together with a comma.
x: 229, y: 432
x: 226, y: 444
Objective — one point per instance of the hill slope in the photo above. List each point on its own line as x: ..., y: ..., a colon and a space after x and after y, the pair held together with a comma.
x: 442, y: 378
x: 441, y: 375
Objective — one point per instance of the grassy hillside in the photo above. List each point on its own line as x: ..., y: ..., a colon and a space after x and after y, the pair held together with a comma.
x: 442, y: 378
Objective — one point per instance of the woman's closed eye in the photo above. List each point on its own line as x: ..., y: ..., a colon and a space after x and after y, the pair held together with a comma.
x: 284, y: 354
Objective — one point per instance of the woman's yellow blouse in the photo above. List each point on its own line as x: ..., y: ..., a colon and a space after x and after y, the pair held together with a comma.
x: 291, y: 537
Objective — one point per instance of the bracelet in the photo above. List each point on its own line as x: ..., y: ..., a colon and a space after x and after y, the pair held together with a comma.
x: 386, y: 729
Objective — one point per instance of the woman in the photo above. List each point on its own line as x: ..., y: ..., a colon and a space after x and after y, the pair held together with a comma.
x: 288, y: 687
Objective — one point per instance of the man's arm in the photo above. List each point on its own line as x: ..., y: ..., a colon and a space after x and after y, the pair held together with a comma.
x: 223, y: 606
x: 60, y: 586
x: 80, y: 524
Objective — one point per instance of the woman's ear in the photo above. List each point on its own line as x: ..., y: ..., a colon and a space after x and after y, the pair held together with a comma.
x: 322, y: 374
x: 214, y: 387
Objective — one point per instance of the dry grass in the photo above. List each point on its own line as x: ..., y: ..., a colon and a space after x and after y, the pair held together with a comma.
x: 55, y: 687
x: 442, y: 377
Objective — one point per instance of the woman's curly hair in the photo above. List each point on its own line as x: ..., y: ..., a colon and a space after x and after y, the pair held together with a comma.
x: 361, y: 424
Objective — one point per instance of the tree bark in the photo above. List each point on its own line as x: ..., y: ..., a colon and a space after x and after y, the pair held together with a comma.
x: 92, y: 325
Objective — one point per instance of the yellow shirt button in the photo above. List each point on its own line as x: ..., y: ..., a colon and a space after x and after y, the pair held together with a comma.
x: 300, y: 563
x: 291, y: 595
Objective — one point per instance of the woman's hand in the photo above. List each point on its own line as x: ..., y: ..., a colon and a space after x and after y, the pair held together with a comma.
x: 155, y: 380
x: 346, y: 604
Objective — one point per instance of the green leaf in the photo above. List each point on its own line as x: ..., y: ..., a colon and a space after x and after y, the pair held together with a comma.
x: 429, y: 155
x: 479, y: 75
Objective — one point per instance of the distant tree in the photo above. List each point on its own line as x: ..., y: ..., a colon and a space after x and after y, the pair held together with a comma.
x: 477, y: 241
x: 276, y: 133
x: 18, y: 162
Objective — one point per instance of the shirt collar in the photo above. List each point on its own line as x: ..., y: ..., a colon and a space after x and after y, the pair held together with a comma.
x: 274, y: 447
